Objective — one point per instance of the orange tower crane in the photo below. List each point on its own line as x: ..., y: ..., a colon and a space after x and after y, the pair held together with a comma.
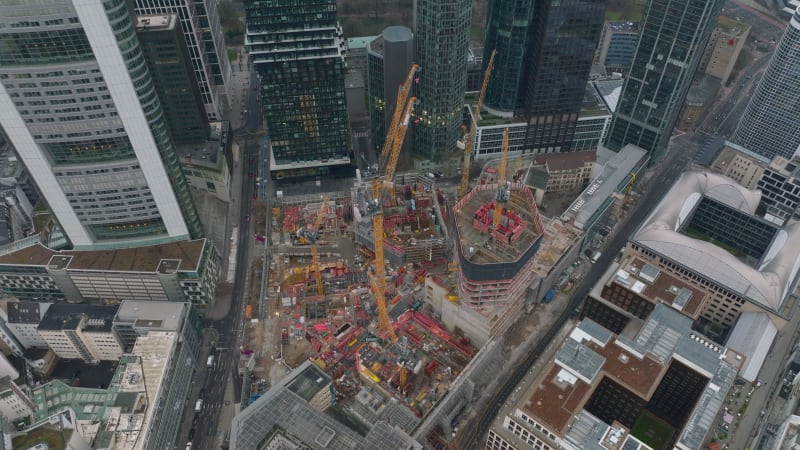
x: 315, y: 266
x: 400, y: 103
x: 502, y: 190
x: 469, y: 142
x: 403, y: 377
x: 376, y: 209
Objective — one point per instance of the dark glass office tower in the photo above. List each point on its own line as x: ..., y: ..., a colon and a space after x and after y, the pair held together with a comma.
x: 674, y: 34
x: 389, y: 58
x: 167, y: 58
x: 441, y: 47
x: 506, y: 31
x: 202, y: 31
x: 545, y: 50
x: 562, y: 39
x: 297, y: 48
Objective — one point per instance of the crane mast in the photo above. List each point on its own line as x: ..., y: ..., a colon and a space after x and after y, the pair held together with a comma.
x: 314, y: 252
x: 395, y: 141
x: 400, y: 102
x: 502, y: 190
x: 312, y: 235
x: 470, y: 139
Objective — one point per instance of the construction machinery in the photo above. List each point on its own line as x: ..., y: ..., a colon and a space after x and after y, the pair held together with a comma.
x: 312, y: 239
x: 375, y: 209
x: 469, y: 141
x: 503, y: 192
x: 629, y: 188
x: 400, y: 103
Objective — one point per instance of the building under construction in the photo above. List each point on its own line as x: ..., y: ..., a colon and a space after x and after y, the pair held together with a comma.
x: 412, y: 221
x: 496, y: 244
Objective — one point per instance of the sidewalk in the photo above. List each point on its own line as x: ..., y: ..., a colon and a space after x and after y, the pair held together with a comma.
x: 239, y: 84
x: 228, y: 411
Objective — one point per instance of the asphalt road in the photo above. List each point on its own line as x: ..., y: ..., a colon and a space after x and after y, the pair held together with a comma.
x: 227, y: 346
x: 253, y: 105
x: 667, y: 171
x: 731, y: 107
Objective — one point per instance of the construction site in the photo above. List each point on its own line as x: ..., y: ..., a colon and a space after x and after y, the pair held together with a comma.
x: 322, y: 293
x: 345, y: 290
x: 393, y: 287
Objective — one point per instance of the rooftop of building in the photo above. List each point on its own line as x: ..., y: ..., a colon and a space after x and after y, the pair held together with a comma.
x: 5, y: 383
x: 377, y: 44
x: 556, y: 397
x: 784, y: 166
x: 752, y: 337
x: 285, y: 407
x: 161, y: 316
x: 593, y: 105
x: 24, y: 312
x: 475, y: 243
x: 308, y: 382
x: 209, y: 153
x: 658, y: 286
x: 136, y: 259
x: 397, y: 33
x: 127, y: 403
x: 718, y: 154
x: 565, y: 161
x: 55, y: 433
x: 732, y: 27
x: 768, y: 284
x: 623, y: 26
x: 789, y: 433
x: 609, y: 89
x: 475, y: 63
x: 359, y: 41
x: 67, y: 316
x: 614, y: 175
x: 33, y: 354
x: 142, y: 375
x: 158, y: 22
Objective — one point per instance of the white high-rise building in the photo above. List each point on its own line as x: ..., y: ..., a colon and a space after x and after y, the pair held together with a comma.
x: 769, y: 125
x: 78, y: 104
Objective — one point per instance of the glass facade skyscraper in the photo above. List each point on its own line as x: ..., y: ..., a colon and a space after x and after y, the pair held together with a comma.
x: 202, y: 31
x: 507, y: 28
x: 441, y: 48
x: 389, y: 58
x: 545, y: 50
x: 562, y: 39
x: 674, y: 34
x: 168, y: 60
x: 297, y: 48
x: 78, y: 104
x: 770, y: 123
